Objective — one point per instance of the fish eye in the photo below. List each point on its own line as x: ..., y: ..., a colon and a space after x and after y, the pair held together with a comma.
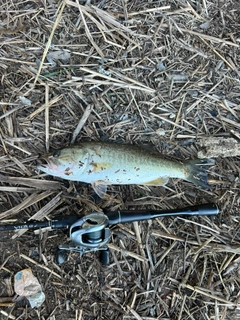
x: 56, y: 154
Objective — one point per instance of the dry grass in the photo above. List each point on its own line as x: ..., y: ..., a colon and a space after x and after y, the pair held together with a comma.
x: 164, y: 73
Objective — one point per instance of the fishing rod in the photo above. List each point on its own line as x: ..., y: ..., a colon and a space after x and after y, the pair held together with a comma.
x: 91, y: 233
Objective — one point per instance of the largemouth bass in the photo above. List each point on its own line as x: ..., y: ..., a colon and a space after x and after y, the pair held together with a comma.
x: 103, y: 164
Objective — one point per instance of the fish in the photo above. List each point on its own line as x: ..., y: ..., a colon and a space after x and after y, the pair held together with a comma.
x: 107, y: 163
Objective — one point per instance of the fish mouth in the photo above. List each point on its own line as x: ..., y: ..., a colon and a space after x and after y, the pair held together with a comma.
x: 51, y: 163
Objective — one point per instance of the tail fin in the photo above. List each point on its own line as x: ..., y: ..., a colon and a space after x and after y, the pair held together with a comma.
x: 197, y: 172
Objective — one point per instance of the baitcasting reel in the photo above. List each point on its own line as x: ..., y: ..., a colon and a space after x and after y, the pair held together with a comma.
x: 89, y: 234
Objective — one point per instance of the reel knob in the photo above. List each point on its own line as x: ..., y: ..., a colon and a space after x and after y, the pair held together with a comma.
x: 61, y: 256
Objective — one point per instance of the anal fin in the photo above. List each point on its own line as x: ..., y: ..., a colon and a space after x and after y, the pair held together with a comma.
x: 157, y: 182
x: 100, y: 187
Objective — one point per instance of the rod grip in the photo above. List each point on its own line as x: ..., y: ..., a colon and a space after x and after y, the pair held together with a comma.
x: 126, y: 216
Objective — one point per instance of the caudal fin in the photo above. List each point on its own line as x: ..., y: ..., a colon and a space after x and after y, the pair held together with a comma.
x: 197, y: 172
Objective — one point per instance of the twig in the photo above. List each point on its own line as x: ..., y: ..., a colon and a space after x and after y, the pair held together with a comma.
x: 211, y: 38
x: 82, y: 121
x: 47, y: 117
x: 50, y: 39
x: 40, y: 265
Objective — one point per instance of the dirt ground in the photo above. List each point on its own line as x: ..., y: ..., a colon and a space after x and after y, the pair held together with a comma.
x: 163, y: 74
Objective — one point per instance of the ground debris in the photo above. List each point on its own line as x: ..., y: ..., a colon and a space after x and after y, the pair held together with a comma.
x: 213, y: 147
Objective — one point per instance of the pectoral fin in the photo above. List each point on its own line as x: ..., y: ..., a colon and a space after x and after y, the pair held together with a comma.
x: 157, y: 182
x: 100, y: 187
